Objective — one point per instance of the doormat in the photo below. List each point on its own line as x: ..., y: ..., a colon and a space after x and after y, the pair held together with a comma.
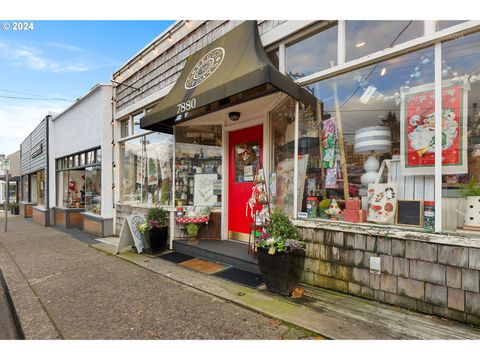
x: 176, y: 257
x: 204, y: 266
x: 242, y: 277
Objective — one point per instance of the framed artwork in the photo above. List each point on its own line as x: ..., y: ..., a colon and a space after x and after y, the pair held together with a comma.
x: 204, y: 189
x: 417, y: 129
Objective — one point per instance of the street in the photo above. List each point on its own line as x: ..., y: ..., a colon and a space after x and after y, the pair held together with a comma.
x: 64, y: 289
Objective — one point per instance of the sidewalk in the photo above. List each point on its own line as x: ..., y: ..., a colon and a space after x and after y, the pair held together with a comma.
x: 332, y: 315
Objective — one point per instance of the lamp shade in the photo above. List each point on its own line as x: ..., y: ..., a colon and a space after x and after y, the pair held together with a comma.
x: 375, y: 139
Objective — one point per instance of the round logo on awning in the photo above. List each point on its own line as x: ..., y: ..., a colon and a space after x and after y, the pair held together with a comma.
x: 205, y: 67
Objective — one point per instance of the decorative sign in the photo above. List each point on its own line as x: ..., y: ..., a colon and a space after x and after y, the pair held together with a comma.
x: 129, y: 235
x: 418, y: 130
x: 36, y: 150
x: 409, y: 212
x: 205, y: 67
x: 203, y: 189
x: 217, y: 187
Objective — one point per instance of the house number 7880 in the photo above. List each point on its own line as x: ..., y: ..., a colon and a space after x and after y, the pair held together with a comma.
x: 186, y: 106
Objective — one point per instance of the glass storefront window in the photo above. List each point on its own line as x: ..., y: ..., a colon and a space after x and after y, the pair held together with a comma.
x: 381, y: 112
x: 98, y: 156
x: 33, y: 188
x: 461, y: 130
x: 124, y: 128
x: 315, y: 53
x: 198, y: 162
x: 93, y: 190
x: 131, y: 171
x: 366, y: 37
x: 41, y: 187
x: 90, y: 157
x: 158, y: 155
x: 73, y: 189
x: 443, y: 24
x: 282, y: 119
x: 25, y: 187
x: 136, y: 123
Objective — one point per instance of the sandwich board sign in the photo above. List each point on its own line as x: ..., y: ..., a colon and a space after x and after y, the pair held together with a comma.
x: 129, y: 235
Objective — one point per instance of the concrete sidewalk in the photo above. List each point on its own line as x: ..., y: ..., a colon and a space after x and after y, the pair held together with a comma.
x: 333, y: 315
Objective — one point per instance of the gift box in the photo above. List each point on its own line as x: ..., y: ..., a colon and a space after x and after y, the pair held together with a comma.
x: 355, y: 216
x: 353, y: 204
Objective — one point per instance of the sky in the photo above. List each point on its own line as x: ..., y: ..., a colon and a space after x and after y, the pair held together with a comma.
x: 47, y: 68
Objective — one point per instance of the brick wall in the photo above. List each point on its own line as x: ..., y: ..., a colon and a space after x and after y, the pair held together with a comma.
x: 428, y: 277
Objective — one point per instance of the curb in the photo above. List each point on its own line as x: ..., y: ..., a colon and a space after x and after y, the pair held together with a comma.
x: 10, y: 328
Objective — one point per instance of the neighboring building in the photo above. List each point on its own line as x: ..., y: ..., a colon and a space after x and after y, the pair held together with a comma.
x: 34, y: 174
x: 13, y: 179
x: 80, y: 153
x: 381, y: 89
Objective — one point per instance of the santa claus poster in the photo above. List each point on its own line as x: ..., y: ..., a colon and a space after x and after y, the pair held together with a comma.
x: 417, y: 131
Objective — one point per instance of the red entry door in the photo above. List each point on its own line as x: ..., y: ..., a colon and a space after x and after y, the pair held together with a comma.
x: 244, y: 152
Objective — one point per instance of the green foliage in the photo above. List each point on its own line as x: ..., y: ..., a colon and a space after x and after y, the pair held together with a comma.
x: 158, y: 214
x: 192, y: 229
x: 470, y: 189
x: 324, y: 204
x: 143, y: 227
x: 280, y: 227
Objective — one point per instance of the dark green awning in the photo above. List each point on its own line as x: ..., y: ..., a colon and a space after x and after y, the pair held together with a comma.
x: 232, y: 69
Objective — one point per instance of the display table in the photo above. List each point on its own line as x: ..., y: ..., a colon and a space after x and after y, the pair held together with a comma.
x: 193, y: 220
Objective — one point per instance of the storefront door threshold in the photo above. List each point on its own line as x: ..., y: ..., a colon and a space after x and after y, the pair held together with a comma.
x: 225, y: 251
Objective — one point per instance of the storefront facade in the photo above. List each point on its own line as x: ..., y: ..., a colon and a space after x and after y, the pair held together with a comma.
x: 34, y: 174
x: 13, y: 180
x: 368, y: 143
x: 81, y: 164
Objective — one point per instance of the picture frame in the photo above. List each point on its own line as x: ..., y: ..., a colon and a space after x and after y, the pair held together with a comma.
x: 409, y: 213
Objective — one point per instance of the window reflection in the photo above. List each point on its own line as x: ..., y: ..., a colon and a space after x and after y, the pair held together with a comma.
x: 366, y: 37
x: 315, y: 53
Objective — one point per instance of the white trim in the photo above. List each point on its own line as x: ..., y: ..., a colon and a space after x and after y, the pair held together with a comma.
x: 295, y: 162
x: 438, y: 137
x: 429, y: 26
x: 417, y: 43
x: 224, y: 219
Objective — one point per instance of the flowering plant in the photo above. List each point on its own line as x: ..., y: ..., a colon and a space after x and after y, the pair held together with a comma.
x: 279, y: 235
x: 156, y: 218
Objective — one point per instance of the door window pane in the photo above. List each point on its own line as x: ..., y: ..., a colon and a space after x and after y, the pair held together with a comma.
x: 246, y: 161
x: 366, y: 37
x: 315, y: 53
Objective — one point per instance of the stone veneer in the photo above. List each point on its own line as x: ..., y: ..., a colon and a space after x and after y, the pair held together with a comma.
x: 429, y: 273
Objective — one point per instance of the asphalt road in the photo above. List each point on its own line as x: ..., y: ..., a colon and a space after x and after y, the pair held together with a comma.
x: 64, y: 289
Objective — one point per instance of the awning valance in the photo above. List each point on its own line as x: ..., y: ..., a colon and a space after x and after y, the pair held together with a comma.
x: 232, y: 69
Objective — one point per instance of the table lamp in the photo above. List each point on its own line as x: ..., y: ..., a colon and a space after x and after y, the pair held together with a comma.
x: 370, y: 141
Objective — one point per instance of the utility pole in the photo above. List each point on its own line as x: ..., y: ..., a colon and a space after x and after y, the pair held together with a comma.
x: 6, y: 200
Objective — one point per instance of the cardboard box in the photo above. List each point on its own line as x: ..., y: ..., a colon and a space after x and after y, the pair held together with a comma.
x: 353, y: 204
x: 355, y: 216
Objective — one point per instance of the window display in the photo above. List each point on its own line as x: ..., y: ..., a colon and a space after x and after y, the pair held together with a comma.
x: 461, y: 119
x: 357, y: 163
x: 158, y: 168
x: 33, y: 188
x: 79, y: 185
x: 283, y: 150
x: 131, y: 186
x: 198, y: 165
x: 41, y: 187
x: 93, y: 189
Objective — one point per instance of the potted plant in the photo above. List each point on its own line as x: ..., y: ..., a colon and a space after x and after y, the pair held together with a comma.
x: 155, y: 230
x: 280, y: 254
x: 192, y: 231
x: 471, y: 191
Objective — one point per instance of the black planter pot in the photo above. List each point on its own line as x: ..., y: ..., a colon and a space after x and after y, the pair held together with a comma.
x: 155, y: 240
x: 15, y: 210
x: 281, y: 272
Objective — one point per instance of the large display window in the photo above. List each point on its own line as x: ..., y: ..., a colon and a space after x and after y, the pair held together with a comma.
x: 198, y: 165
x: 79, y: 181
x: 146, y: 169
x: 374, y: 159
